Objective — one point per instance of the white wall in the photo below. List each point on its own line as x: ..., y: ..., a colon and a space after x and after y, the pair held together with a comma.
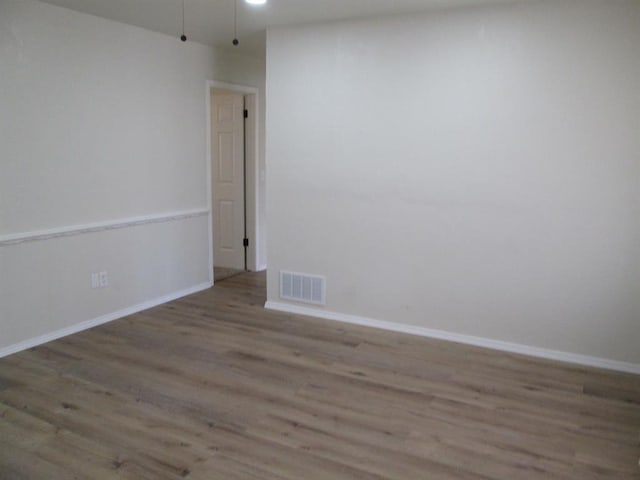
x: 475, y: 171
x: 100, y: 122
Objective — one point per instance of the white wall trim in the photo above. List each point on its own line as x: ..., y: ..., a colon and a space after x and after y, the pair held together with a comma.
x: 233, y: 87
x: 18, y: 238
x: 459, y: 338
x: 109, y: 317
x: 209, y: 180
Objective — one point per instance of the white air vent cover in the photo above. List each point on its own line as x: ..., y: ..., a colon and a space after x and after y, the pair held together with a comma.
x: 303, y: 288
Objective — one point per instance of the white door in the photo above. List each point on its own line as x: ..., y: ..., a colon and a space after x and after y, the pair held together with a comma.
x: 227, y: 151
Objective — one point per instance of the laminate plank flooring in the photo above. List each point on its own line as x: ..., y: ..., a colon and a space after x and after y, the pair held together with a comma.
x: 212, y: 386
x: 222, y: 273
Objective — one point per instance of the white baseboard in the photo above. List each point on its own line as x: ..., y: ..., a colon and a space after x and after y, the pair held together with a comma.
x: 109, y: 317
x: 459, y: 338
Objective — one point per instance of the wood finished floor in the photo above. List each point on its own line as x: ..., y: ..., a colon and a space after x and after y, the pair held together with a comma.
x: 222, y: 273
x: 212, y: 386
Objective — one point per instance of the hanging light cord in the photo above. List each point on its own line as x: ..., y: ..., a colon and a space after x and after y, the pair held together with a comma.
x: 183, y: 37
x: 235, y: 23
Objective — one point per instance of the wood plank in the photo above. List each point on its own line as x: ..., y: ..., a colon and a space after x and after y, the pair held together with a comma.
x: 213, y: 386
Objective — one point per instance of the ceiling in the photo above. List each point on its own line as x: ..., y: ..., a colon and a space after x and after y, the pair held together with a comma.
x: 210, y: 22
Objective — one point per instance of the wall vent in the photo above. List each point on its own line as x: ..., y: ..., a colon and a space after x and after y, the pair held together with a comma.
x: 301, y: 287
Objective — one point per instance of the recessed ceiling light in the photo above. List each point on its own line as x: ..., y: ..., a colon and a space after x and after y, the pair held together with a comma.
x: 256, y: 2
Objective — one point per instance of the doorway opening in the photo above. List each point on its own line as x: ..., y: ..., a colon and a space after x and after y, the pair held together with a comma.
x: 233, y: 162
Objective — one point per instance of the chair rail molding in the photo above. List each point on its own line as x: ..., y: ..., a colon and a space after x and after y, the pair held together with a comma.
x: 73, y: 230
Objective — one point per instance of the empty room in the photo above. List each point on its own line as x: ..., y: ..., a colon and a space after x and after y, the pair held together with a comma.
x: 341, y: 239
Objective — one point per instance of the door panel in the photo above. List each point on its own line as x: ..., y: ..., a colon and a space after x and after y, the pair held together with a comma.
x: 226, y: 218
x: 226, y: 158
x: 227, y: 185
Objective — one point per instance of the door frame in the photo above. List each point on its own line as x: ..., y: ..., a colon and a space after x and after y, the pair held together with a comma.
x: 251, y: 171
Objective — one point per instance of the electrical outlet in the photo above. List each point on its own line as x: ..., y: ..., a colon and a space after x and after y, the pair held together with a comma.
x: 95, y: 280
x: 104, y: 279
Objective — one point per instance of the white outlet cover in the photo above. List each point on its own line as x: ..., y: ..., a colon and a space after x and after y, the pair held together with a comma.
x: 104, y: 279
x: 95, y: 280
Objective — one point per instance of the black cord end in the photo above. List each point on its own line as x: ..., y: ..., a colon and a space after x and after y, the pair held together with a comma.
x: 236, y: 42
x: 183, y: 38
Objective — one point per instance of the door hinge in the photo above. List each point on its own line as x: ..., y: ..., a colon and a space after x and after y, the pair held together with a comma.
x: 245, y: 242
x: 246, y: 113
